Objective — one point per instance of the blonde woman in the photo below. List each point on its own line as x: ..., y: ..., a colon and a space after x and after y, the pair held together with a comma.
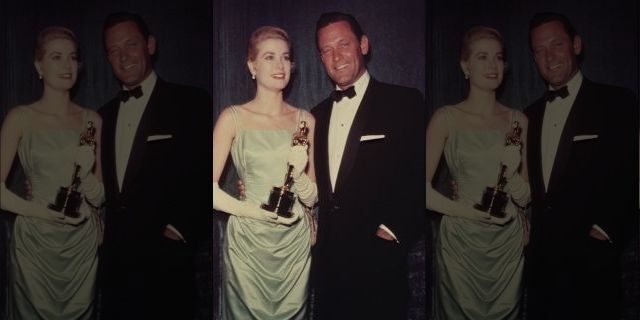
x: 266, y: 257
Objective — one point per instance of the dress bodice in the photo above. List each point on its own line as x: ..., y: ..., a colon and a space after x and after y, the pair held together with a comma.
x: 473, y: 158
x: 47, y: 157
x: 260, y: 158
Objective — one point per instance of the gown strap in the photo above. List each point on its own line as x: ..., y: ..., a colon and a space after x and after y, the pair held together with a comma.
x: 235, y: 114
x: 300, y: 119
x: 448, y: 118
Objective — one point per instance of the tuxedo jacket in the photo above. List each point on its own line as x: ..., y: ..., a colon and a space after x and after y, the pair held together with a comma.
x: 594, y: 179
x: 380, y: 181
x: 168, y: 176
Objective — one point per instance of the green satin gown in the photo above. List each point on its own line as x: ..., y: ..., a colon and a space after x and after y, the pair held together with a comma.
x: 479, y: 265
x: 266, y: 266
x: 52, y: 266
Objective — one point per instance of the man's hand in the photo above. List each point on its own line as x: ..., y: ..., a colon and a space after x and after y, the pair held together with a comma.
x: 594, y: 233
x: 384, y: 235
x: 241, y: 189
x: 171, y: 234
x: 28, y: 190
x: 454, y: 189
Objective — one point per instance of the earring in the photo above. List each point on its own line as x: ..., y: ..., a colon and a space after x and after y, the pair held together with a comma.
x: 40, y: 76
x: 253, y: 76
x: 466, y: 75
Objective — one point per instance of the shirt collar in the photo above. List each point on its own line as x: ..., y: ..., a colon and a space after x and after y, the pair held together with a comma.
x: 574, y: 84
x: 361, y: 84
x: 147, y: 84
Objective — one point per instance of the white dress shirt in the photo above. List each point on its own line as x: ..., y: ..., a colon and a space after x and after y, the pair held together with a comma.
x: 129, y: 115
x: 342, y: 116
x: 555, y: 116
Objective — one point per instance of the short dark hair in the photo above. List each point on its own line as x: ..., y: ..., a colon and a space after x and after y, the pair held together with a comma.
x: 541, y: 18
x: 119, y: 17
x: 328, y: 18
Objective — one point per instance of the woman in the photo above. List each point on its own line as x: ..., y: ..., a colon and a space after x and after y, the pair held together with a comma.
x: 266, y: 257
x: 479, y: 257
x: 53, y: 257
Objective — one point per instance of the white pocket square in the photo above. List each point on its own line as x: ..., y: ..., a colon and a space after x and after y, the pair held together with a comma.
x: 159, y: 137
x: 372, y: 137
x: 585, y: 137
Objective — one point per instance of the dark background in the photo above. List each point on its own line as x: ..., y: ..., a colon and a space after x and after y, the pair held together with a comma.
x: 396, y: 31
x: 183, y: 31
x: 609, y: 31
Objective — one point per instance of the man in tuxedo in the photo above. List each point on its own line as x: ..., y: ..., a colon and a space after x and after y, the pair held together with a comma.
x: 583, y: 166
x: 156, y: 155
x: 369, y: 157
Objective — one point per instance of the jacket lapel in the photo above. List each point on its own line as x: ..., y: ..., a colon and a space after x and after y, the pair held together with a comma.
x: 321, y: 149
x: 109, y: 114
x: 534, y: 148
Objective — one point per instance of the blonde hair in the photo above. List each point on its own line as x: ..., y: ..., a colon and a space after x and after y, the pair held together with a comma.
x: 264, y: 33
x: 51, y: 33
x: 477, y: 33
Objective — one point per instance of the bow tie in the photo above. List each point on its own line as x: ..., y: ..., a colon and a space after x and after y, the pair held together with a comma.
x: 124, y: 95
x: 551, y: 95
x: 337, y: 95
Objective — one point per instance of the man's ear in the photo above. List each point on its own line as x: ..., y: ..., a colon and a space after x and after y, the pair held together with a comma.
x: 577, y: 45
x: 364, y: 45
x: 151, y: 45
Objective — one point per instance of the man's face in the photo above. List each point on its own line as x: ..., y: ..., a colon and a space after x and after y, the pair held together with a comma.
x: 555, y: 53
x: 129, y: 53
x: 342, y: 53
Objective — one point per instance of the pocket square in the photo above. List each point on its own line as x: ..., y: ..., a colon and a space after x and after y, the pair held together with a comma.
x: 585, y: 137
x: 372, y: 137
x: 159, y: 137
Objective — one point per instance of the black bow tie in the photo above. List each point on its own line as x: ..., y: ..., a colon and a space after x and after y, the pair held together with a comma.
x: 551, y: 95
x: 124, y: 95
x: 337, y: 95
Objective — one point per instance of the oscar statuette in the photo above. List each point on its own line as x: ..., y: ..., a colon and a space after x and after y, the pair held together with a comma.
x: 495, y: 199
x: 281, y: 199
x: 68, y: 199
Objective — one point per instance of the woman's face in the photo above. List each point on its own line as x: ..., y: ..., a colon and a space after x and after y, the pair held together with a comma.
x: 485, y: 65
x: 272, y: 65
x: 59, y: 64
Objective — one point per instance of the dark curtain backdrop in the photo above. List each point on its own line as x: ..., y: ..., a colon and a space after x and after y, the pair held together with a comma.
x: 183, y: 30
x: 396, y: 31
x: 609, y: 31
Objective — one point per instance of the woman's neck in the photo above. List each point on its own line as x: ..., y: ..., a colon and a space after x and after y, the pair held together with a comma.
x: 56, y: 102
x: 482, y: 101
x: 269, y: 102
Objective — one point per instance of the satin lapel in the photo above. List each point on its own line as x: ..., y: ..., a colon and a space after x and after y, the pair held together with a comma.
x: 566, y: 139
x: 535, y: 148
x: 321, y: 149
x: 353, y: 139
x: 151, y: 112
x: 109, y: 174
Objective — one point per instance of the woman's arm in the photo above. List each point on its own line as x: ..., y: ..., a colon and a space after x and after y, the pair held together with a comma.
x: 437, y: 134
x: 10, y: 135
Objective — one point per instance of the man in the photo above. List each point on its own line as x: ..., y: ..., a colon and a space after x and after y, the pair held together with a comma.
x: 583, y: 166
x: 369, y: 157
x: 156, y: 155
